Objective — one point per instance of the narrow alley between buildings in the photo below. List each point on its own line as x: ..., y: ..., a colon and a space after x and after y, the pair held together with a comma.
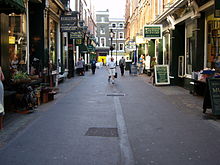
x: 92, y: 122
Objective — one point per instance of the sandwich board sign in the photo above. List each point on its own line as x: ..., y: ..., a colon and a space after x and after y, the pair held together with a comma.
x: 162, y: 75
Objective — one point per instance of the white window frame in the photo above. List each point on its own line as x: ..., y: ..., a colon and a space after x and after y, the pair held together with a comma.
x: 115, y: 25
x: 101, y: 41
x: 102, y: 19
x: 102, y: 32
x: 122, y: 46
x: 114, y: 45
x: 122, y: 35
x: 119, y: 25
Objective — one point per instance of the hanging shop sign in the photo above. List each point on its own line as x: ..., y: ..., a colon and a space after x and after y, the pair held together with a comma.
x: 162, y: 75
x: 91, y: 48
x: 217, y: 8
x: 68, y: 23
x: 130, y: 46
x: 140, y: 40
x: 78, y: 41
x: 76, y: 35
x: 11, y: 40
x: 152, y: 32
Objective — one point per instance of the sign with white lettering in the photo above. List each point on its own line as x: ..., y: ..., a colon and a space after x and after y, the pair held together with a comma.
x: 162, y: 75
x: 68, y: 23
x: 153, y: 32
x: 214, y: 89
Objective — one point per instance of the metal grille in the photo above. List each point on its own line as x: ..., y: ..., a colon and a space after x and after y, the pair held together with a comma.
x: 102, y: 132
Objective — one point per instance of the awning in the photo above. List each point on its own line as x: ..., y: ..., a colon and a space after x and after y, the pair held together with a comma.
x: 83, y: 48
x: 91, y: 48
x: 12, y: 6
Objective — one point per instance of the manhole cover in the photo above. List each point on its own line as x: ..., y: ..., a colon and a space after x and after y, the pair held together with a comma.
x: 115, y: 94
x: 103, y: 132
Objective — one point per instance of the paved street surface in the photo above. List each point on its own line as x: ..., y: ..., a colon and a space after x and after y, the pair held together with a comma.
x: 92, y: 122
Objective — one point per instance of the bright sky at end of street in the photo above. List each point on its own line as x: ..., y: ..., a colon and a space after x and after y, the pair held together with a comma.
x: 116, y: 7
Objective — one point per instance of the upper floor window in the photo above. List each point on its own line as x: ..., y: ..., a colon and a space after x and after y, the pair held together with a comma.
x: 102, y: 31
x: 121, y: 35
x: 114, y: 46
x: 114, y: 25
x: 121, y: 46
x: 102, y: 42
x: 121, y: 25
x: 102, y: 19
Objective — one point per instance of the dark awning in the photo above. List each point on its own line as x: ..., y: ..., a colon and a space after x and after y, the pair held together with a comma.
x: 83, y: 48
x: 12, y: 6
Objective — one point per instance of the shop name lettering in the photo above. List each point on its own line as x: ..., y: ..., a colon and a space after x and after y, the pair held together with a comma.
x: 152, y: 31
x: 68, y: 18
x: 216, y: 90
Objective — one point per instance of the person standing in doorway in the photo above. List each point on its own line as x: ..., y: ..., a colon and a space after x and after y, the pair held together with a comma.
x: 153, y: 63
x: 141, y: 64
x: 2, y: 78
x: 122, y: 65
x: 93, y: 65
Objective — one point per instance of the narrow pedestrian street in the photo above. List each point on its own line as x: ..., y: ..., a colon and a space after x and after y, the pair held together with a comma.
x: 92, y: 122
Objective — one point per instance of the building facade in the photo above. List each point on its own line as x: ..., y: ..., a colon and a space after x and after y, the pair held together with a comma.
x: 102, y: 35
x: 189, y: 34
x: 118, y: 40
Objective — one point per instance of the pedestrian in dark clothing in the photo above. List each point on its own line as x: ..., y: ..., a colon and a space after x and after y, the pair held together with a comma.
x: 122, y: 65
x: 93, y: 65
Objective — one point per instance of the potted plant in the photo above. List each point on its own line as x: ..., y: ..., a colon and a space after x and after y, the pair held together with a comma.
x: 20, y: 77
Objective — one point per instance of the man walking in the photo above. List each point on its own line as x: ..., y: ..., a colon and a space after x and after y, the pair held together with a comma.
x: 111, y: 68
x: 122, y: 65
x: 93, y: 65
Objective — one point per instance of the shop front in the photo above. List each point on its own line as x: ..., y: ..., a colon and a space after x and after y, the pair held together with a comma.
x: 13, y: 38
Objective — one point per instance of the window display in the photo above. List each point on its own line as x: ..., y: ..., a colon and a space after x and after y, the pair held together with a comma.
x: 17, y: 43
x: 213, y: 47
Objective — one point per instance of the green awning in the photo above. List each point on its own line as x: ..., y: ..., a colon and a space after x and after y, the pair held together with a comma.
x: 91, y: 48
x: 12, y: 6
x: 83, y: 48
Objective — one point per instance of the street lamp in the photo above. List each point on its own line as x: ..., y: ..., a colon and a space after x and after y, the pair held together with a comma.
x: 111, y: 36
x: 116, y: 47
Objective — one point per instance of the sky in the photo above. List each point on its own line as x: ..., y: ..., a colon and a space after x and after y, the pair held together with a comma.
x: 116, y: 7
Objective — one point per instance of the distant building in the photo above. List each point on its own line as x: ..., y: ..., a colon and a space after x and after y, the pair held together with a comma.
x: 102, y: 35
x: 118, y: 42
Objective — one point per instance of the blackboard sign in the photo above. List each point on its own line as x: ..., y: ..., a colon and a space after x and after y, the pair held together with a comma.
x: 162, y: 75
x: 214, y: 89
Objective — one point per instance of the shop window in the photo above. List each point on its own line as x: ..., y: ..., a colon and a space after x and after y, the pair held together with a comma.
x: 190, y: 47
x: 213, y: 47
x: 166, y: 58
x: 17, y: 43
x: 53, y: 46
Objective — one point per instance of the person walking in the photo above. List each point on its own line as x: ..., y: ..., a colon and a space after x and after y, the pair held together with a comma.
x: 111, y: 69
x: 2, y: 78
x: 93, y: 65
x: 153, y: 63
x: 141, y: 64
x: 80, y: 67
x: 122, y: 65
